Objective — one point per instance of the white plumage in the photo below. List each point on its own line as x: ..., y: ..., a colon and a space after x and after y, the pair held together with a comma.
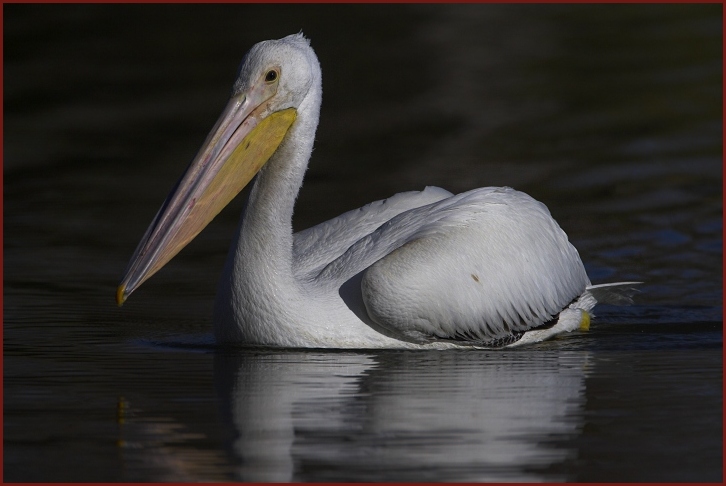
x: 485, y: 268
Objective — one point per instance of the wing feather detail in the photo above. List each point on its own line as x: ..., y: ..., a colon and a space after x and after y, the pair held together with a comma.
x: 487, y: 264
x: 318, y: 246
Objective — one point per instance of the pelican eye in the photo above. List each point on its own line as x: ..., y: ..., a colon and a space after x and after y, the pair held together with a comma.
x: 271, y: 76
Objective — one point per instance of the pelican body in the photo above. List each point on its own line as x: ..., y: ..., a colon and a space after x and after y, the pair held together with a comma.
x: 487, y: 268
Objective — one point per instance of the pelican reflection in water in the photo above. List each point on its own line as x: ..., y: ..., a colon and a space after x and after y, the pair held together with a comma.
x: 424, y: 269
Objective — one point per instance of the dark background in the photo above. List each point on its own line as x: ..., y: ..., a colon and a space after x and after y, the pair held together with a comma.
x: 609, y: 114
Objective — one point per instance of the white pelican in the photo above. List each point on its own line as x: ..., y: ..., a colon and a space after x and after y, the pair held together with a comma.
x: 485, y: 268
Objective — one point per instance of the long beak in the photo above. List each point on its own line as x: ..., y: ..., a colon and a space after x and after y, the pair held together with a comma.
x: 240, y: 143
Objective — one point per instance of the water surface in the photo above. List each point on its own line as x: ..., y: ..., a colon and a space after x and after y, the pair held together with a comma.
x: 611, y: 115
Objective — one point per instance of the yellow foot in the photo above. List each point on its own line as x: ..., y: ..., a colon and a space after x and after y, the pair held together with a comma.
x: 585, y: 321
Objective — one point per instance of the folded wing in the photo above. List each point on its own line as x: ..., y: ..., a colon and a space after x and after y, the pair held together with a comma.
x: 480, y: 266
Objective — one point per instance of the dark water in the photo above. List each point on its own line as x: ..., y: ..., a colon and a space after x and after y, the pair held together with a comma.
x: 611, y: 115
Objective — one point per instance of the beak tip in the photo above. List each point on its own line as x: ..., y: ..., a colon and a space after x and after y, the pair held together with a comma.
x: 121, y: 295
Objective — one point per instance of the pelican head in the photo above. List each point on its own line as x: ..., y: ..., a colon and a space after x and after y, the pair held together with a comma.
x: 274, y: 79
